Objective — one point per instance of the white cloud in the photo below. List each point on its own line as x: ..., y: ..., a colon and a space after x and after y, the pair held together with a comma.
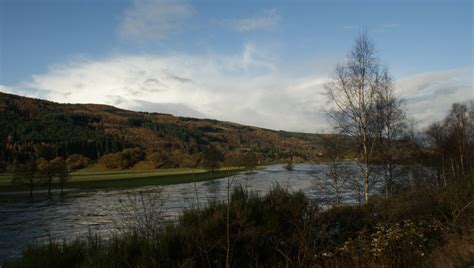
x: 248, y: 87
x: 430, y: 95
x: 252, y: 58
x: 267, y: 20
x: 149, y: 20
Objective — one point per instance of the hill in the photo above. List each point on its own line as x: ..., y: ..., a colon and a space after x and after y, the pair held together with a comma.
x: 40, y: 128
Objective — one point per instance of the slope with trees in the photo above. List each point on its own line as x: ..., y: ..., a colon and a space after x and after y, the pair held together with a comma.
x: 43, y: 129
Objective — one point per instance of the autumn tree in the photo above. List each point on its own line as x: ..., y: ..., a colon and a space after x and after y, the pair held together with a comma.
x: 124, y: 159
x: 131, y: 156
x: 77, y: 161
x: 159, y: 159
x: 46, y: 172
x: 249, y: 160
x: 212, y: 158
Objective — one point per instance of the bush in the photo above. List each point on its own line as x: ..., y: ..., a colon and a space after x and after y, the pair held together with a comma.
x: 113, y: 160
x: 77, y: 161
x: 131, y: 156
x: 123, y: 160
x: 160, y: 159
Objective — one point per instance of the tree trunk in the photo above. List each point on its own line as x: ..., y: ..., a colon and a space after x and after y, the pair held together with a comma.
x: 336, y: 182
x: 387, y: 181
x: 227, y: 258
x: 338, y: 197
x: 443, y: 169
x: 461, y: 157
x: 49, y: 187
x: 366, y: 181
x: 452, y: 168
x: 366, y: 170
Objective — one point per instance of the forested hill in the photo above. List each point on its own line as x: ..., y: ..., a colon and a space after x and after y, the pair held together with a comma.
x: 39, y: 128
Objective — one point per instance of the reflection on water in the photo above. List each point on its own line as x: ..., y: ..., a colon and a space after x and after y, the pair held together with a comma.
x: 24, y: 221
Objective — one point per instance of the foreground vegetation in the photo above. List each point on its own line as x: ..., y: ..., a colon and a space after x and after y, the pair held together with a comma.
x: 426, y: 226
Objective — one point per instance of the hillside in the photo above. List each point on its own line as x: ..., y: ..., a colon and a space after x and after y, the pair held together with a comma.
x: 39, y: 128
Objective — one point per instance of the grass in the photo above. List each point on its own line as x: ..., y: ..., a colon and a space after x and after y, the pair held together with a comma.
x: 87, y: 179
x: 136, y: 180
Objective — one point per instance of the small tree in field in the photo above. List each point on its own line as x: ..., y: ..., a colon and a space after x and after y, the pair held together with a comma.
x: 212, y: 158
x: 289, y: 165
x: 61, y: 171
x: 26, y: 175
x: 46, y: 172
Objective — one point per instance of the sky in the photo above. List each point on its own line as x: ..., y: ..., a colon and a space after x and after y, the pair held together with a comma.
x: 260, y: 63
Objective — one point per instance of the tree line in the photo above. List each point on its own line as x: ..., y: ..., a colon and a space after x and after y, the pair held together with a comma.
x: 451, y: 143
x: 33, y: 172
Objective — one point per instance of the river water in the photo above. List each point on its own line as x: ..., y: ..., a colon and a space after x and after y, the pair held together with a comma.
x: 24, y: 221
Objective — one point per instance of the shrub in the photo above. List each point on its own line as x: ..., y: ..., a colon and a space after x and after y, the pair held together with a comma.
x: 77, y: 161
x: 113, y: 160
x: 123, y: 160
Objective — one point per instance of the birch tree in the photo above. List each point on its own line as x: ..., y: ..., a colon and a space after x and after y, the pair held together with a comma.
x: 353, y: 92
x: 391, y: 125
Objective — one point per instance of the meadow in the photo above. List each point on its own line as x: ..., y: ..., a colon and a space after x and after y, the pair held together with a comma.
x: 98, y: 178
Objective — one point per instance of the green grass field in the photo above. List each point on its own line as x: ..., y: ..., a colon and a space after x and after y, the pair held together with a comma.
x: 87, y: 179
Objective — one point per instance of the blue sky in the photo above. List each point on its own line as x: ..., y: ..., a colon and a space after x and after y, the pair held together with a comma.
x: 201, y: 58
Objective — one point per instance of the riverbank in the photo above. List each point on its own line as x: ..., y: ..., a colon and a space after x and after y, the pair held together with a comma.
x: 116, y: 179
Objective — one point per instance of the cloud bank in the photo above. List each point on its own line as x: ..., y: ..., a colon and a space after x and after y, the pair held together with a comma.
x: 247, y: 87
x: 429, y: 96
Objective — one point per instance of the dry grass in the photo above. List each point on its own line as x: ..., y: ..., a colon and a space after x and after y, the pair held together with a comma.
x: 457, y: 252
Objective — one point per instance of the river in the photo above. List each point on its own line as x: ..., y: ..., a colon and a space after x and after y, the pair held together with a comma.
x: 24, y: 220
